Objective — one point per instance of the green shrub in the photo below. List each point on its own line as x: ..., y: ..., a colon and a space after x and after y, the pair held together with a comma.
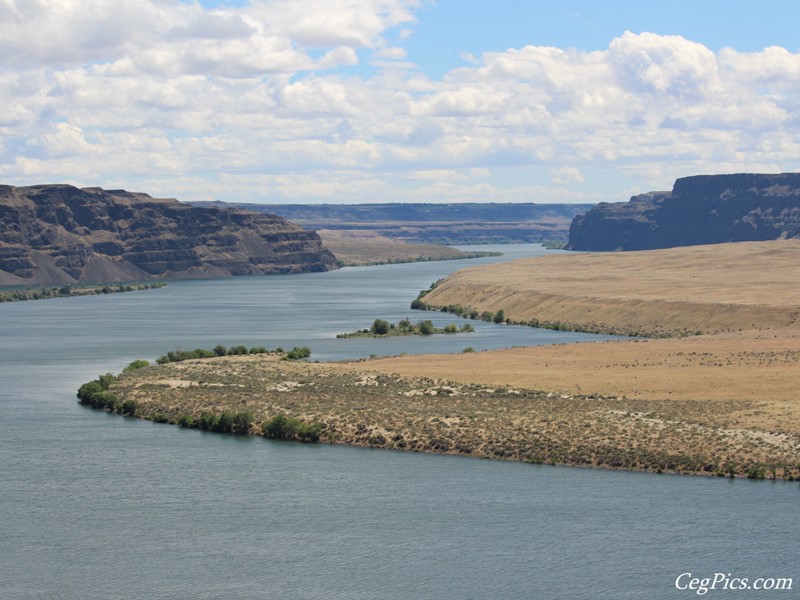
x: 88, y: 390
x: 242, y: 422
x: 237, y: 351
x: 380, y: 327
x: 309, y: 432
x: 499, y: 316
x: 426, y: 327
x: 451, y: 328
x: 277, y: 428
x: 207, y: 421
x: 94, y: 393
x: 159, y: 417
x: 298, y: 353
x: 281, y: 427
x: 224, y: 422
x: 105, y: 399
x: 129, y: 407
x: 137, y: 364
x: 185, y: 420
x: 220, y: 350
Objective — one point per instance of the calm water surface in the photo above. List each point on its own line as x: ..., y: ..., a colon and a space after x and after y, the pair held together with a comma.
x: 98, y: 506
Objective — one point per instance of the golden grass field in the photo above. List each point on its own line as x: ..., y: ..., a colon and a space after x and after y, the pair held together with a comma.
x: 723, y: 287
x: 724, y: 404
x: 357, y: 247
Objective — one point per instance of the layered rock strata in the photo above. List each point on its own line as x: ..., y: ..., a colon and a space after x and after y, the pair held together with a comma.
x: 59, y: 234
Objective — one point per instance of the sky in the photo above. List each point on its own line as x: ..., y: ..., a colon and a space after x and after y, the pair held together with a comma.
x: 350, y: 101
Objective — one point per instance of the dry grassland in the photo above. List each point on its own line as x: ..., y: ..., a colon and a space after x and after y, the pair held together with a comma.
x: 709, y: 289
x: 357, y: 248
x: 359, y: 406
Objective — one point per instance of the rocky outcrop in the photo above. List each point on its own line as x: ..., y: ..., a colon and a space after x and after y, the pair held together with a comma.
x: 705, y: 209
x: 56, y: 234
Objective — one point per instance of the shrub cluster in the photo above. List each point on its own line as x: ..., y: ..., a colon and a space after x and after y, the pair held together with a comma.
x: 382, y: 328
x: 220, y: 350
x: 281, y: 427
x: 96, y: 394
x: 137, y: 364
x: 69, y: 290
x: 225, y: 422
x: 298, y: 353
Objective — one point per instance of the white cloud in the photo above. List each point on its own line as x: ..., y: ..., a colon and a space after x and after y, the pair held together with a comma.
x: 437, y: 175
x: 566, y: 175
x: 196, y: 102
x: 391, y: 53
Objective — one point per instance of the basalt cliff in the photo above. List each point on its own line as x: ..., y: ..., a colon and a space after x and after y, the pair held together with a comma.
x: 60, y: 234
x: 704, y: 209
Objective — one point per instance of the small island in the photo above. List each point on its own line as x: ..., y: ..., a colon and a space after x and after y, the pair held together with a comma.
x: 382, y: 328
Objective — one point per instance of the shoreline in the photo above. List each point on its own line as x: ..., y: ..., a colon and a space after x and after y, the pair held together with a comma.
x: 357, y: 406
x: 70, y: 290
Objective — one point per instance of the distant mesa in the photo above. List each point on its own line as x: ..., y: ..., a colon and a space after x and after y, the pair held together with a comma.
x: 58, y: 234
x: 704, y: 209
x: 435, y: 223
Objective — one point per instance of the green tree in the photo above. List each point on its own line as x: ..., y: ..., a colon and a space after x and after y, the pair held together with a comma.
x: 224, y: 422
x: 499, y: 316
x: 242, y: 422
x: 426, y: 327
x: 380, y: 327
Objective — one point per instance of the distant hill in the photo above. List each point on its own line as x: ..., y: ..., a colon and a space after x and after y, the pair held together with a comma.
x: 704, y: 209
x: 57, y: 234
x: 458, y: 223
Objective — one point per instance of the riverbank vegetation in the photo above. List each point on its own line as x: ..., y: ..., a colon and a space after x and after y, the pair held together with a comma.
x: 66, y: 291
x: 295, y: 353
x: 382, y: 328
x: 499, y: 317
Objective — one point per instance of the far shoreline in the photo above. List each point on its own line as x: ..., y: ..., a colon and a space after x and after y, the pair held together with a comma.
x: 26, y: 293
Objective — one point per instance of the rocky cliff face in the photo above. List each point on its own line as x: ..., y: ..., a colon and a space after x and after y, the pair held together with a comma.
x: 705, y: 209
x: 54, y: 234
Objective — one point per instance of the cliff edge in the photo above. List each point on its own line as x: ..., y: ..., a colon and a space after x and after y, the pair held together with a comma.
x: 704, y: 209
x: 59, y: 234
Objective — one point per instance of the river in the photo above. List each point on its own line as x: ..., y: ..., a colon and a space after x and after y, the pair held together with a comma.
x: 96, y: 506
